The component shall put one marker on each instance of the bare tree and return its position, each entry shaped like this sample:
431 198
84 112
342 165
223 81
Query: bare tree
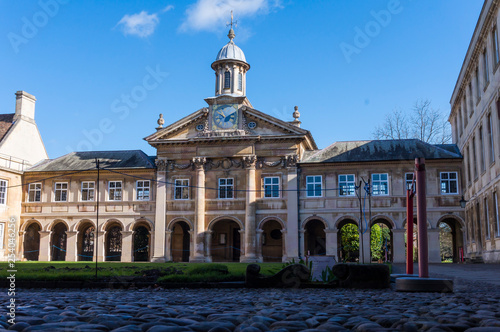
422 122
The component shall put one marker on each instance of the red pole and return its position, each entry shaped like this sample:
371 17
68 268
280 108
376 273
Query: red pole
423 254
409 232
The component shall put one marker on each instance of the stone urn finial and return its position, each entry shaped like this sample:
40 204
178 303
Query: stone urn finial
296 114
160 122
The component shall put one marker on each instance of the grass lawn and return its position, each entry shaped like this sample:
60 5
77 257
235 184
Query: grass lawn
161 272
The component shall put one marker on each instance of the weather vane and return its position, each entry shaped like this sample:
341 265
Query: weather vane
232 23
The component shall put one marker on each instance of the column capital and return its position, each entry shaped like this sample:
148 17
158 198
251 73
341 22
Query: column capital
249 161
290 160
199 162
161 164
126 233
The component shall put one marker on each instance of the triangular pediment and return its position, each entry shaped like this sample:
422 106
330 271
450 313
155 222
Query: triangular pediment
254 125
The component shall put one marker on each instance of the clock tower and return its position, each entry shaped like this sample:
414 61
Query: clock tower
230 68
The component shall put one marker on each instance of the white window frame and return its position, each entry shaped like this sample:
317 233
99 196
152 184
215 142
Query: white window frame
35 188
224 187
312 182
274 187
449 181
347 187
408 182
379 182
181 186
61 187
115 190
141 188
4 184
87 187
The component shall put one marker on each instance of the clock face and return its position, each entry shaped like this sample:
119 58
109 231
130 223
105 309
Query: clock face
225 116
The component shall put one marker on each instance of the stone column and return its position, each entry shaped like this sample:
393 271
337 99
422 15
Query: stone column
127 247
292 222
20 245
366 248
260 258
208 241
191 244
331 242
199 223
398 246
101 240
250 240
71 246
44 255
168 245
161 211
284 257
242 247
434 248
302 243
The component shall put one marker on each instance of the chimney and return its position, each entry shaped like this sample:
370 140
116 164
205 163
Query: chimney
25 106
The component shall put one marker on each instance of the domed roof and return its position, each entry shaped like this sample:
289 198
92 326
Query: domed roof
231 51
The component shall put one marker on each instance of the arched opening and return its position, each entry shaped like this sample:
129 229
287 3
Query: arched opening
227 80
315 238
58 242
180 242
141 243
114 243
226 242
415 238
381 241
272 241
32 242
450 240
85 242
348 237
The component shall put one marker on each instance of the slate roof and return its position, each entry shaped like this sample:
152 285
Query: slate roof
6 121
381 150
77 161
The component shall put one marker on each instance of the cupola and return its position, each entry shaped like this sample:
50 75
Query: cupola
230 68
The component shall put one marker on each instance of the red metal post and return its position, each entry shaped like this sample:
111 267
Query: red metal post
423 254
409 232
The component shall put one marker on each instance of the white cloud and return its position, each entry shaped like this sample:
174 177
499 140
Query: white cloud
142 24
212 14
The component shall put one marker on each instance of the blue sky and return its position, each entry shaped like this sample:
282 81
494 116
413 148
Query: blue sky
102 71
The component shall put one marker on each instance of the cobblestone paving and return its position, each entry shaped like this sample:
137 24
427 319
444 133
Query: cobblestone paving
472 307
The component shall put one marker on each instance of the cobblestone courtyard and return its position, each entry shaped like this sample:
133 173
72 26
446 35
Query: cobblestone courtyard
472 305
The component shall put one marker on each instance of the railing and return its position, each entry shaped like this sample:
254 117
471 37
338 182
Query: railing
13 163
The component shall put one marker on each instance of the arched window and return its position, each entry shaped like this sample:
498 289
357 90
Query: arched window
227 80
216 82
240 81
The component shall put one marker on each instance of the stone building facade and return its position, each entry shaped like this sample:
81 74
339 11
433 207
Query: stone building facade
21 147
475 120
232 183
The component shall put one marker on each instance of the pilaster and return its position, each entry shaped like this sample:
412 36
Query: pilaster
199 223
434 249
292 222
71 246
398 250
101 250
250 239
160 212
45 251
168 245
331 242
127 249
